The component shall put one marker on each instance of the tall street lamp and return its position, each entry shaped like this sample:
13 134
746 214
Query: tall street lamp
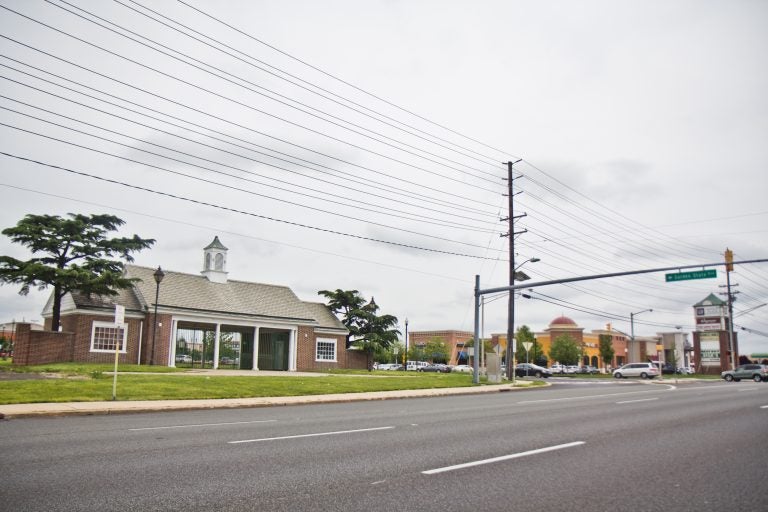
516 276
405 355
159 275
632 327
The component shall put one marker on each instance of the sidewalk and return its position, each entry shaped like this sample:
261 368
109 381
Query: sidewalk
119 407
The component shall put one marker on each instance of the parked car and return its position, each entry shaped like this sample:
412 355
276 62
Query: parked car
462 368
686 370
229 360
756 372
439 368
531 370
588 369
557 368
183 358
572 369
642 370
667 368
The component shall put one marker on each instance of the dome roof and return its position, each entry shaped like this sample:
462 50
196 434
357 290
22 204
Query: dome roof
562 321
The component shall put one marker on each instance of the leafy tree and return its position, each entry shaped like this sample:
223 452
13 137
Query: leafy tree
345 303
75 256
524 335
606 349
374 332
367 329
436 351
565 350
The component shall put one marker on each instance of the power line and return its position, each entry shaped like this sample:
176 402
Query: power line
246 105
234 233
219 70
339 79
388 211
197 178
207 114
225 208
308 89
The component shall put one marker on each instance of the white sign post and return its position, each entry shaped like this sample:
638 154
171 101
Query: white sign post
119 321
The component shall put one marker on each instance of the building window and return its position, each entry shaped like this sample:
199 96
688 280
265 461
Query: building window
325 350
105 337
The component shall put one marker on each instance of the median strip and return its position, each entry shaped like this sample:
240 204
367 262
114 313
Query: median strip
502 458
318 434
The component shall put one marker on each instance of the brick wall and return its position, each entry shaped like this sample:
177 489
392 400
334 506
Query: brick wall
76 330
41 347
305 346
162 337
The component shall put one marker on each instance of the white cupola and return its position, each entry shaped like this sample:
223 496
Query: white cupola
215 262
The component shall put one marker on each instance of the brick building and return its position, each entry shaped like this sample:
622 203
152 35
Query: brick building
202 321
454 341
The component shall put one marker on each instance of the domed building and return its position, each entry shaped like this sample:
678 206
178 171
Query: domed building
565 326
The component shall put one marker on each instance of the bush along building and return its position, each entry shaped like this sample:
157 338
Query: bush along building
200 320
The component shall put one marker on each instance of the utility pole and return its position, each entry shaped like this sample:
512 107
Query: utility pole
510 356
731 299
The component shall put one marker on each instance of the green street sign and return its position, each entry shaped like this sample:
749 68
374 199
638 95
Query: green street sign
696 274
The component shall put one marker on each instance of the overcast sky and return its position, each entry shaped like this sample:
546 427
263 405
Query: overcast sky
360 145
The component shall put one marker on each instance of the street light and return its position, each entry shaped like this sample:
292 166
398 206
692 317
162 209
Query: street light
516 276
405 356
159 275
632 326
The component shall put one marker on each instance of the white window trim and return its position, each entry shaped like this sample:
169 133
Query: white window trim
335 350
124 327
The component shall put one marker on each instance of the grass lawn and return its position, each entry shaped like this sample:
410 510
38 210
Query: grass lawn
78 382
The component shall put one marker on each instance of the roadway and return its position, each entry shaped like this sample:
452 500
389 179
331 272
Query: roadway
600 445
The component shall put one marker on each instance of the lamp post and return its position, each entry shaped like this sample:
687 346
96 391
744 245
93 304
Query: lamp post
159 275
405 354
516 276
632 327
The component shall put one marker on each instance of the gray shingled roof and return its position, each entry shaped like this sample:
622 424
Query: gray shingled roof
188 291
124 297
324 316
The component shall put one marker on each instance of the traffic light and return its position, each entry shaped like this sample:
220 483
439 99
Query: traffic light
728 260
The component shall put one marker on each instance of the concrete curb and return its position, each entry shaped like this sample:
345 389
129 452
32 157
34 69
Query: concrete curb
137 406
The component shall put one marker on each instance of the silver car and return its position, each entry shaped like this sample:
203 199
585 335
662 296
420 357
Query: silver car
642 370
756 372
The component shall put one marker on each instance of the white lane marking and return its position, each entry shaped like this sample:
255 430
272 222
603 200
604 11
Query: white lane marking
670 388
502 458
202 425
747 389
638 400
317 434
764 406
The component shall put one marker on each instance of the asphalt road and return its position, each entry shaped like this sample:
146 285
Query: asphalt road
588 446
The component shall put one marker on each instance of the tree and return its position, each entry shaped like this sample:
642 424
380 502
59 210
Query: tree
345 303
367 329
436 351
565 350
374 332
606 349
524 335
76 256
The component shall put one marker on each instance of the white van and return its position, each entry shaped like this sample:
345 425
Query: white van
415 365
